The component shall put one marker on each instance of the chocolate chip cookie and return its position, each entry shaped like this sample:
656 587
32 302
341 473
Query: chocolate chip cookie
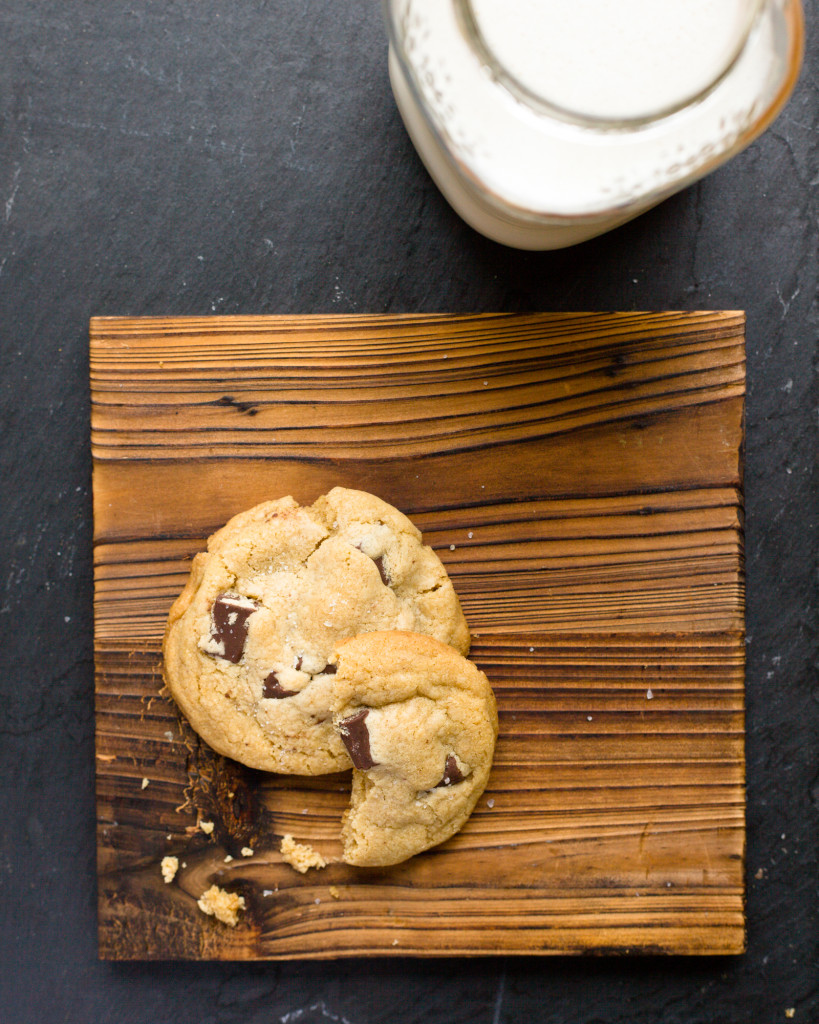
249 643
419 722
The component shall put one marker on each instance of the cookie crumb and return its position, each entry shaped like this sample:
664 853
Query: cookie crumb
247 851
451 547
145 783
490 803
206 826
267 892
169 867
395 942
649 695
470 535
589 718
760 873
222 905
301 856
335 893
790 1012
228 859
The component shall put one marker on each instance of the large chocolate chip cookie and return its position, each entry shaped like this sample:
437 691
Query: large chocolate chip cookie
249 642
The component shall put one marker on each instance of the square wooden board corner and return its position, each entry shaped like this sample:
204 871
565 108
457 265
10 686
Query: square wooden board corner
580 476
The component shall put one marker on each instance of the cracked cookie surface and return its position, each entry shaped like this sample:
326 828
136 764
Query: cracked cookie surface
420 724
249 643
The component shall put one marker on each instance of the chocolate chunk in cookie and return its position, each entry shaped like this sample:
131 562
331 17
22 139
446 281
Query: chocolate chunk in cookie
229 616
378 559
357 739
452 773
274 689
382 572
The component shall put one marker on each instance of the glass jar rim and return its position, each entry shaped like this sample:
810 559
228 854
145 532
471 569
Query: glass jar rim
472 31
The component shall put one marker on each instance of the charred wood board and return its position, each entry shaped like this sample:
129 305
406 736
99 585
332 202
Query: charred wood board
580 477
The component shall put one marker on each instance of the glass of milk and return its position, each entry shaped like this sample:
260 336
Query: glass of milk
547 122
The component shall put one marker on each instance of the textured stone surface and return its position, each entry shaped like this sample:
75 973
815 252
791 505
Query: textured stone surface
194 157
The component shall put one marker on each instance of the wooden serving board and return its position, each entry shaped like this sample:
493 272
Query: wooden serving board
580 476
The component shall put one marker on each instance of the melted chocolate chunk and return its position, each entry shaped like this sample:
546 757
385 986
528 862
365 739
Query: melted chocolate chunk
229 617
328 670
357 740
379 562
299 663
273 688
452 773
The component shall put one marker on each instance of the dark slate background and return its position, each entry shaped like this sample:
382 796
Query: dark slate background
199 157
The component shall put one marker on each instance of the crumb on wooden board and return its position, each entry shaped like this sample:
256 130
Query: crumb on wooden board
224 906
300 856
169 867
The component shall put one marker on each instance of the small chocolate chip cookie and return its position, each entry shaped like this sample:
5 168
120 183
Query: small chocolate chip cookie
249 643
420 723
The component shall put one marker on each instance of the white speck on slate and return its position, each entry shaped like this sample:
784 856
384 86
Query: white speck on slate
13 196
67 618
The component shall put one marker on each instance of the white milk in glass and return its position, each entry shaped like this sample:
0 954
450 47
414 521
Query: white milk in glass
545 122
